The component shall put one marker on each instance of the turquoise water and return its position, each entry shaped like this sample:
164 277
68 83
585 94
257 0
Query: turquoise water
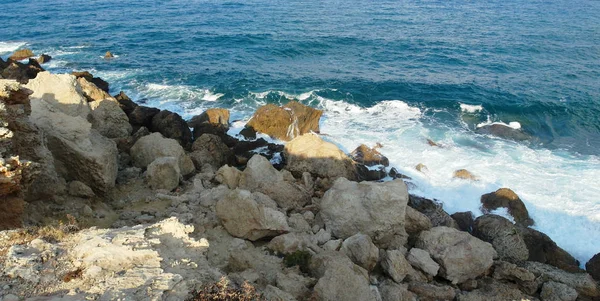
394 72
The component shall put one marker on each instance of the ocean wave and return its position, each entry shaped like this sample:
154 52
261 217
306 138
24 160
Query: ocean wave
513 124
10 47
471 108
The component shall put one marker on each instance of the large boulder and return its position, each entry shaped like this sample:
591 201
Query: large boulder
583 283
506 198
212 121
374 209
460 255
243 217
556 291
210 149
502 234
106 115
370 163
361 250
153 146
286 122
60 91
339 278
163 173
543 249
261 176
171 125
19 71
126 104
142 116
309 153
593 266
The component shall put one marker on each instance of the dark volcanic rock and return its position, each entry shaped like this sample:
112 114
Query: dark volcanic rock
286 122
171 125
464 220
503 131
126 104
506 198
593 267
543 249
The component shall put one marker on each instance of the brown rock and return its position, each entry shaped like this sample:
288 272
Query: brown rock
108 55
421 167
593 267
11 210
19 71
100 83
142 116
506 198
171 125
287 122
369 156
211 121
465 174
44 58
543 249
126 104
21 54
209 149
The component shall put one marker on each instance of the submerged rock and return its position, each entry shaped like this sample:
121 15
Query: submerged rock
465 175
503 131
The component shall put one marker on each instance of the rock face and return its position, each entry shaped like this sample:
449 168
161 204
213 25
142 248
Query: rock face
210 149
211 121
19 71
309 153
171 125
502 234
543 249
374 209
243 217
60 91
164 173
593 267
287 122
261 176
153 146
506 198
361 250
460 255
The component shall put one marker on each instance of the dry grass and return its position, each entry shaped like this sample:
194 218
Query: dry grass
222 291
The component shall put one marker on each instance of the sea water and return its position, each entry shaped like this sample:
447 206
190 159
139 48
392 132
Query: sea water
390 72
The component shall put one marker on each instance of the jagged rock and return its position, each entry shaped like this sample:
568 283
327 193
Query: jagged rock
100 83
556 291
373 173
163 173
142 116
433 211
374 209
506 198
339 278
212 121
465 175
543 249
395 264
593 266
287 122
106 116
126 104
261 176
460 255
153 146
79 189
125 144
420 259
44 58
416 221
209 149
503 236
171 125
582 282
494 291
21 54
464 220
361 250
392 291
229 176
243 217
309 153
503 131
432 292
509 271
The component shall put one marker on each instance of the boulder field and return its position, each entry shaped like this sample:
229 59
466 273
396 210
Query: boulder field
105 199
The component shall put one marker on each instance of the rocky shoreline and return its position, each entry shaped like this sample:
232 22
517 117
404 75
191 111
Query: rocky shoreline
105 199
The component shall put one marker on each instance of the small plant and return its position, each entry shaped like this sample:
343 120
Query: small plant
223 291
299 258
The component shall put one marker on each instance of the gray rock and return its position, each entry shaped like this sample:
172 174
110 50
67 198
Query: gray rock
503 236
420 259
556 291
153 146
361 250
583 283
395 264
163 173
81 190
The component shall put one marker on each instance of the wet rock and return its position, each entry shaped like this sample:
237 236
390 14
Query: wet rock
21 54
465 175
243 217
19 71
286 122
212 121
309 153
164 173
171 125
503 131
543 249
420 259
374 209
421 168
506 198
593 267
108 55
464 220
460 255
503 236
81 190
361 250
153 146
370 163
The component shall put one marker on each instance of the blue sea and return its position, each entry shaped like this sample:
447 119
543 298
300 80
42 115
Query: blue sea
394 72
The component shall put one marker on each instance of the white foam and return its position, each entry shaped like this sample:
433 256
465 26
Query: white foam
471 108
513 124
300 97
10 47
